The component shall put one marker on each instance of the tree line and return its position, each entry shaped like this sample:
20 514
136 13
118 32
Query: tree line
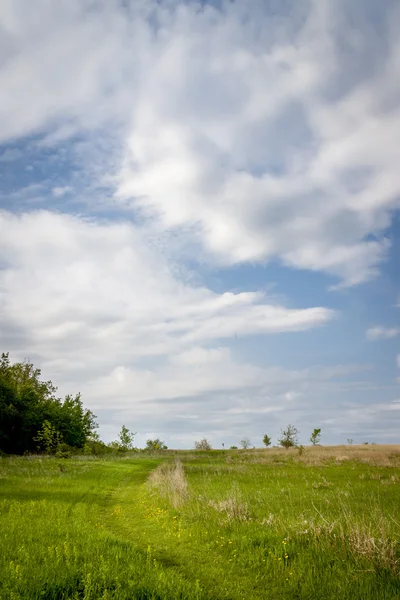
288 439
34 419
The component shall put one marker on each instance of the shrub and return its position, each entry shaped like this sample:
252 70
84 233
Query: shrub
203 445
288 437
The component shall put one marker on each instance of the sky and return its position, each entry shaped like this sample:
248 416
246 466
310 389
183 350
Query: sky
200 213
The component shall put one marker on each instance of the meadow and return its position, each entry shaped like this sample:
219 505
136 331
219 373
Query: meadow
272 524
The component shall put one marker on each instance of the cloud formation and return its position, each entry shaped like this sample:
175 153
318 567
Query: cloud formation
261 144
104 286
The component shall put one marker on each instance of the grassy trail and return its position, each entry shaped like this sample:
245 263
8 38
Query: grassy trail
173 544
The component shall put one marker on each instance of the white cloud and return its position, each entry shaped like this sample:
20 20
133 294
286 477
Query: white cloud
253 153
89 293
101 310
60 191
379 333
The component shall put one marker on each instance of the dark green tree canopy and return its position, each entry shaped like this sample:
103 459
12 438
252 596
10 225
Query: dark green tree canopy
29 409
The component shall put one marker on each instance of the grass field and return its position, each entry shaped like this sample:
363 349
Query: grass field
237 525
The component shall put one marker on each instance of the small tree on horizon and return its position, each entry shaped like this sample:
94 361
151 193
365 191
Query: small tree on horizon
126 438
156 444
288 437
245 443
315 437
267 440
203 445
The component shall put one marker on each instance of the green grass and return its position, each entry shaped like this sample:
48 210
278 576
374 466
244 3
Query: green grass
230 525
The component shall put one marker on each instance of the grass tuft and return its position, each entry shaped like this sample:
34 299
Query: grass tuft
169 480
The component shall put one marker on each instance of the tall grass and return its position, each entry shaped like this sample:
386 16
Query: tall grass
214 525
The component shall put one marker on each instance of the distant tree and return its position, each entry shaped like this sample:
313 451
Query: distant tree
156 444
245 443
233 448
126 439
350 440
203 445
288 437
267 440
315 437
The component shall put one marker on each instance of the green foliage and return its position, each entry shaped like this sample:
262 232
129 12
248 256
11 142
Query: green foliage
156 444
95 446
203 445
288 437
267 440
233 448
315 437
300 449
126 439
31 415
48 438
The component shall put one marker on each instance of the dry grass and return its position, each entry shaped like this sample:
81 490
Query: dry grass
378 547
379 455
233 508
169 480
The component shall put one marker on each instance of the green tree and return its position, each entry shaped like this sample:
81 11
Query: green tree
75 423
26 403
126 439
267 440
288 437
156 444
315 437
48 438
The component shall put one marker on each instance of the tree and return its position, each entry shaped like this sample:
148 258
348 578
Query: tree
350 441
288 437
203 445
245 443
126 439
26 403
267 440
76 424
315 437
48 438
156 444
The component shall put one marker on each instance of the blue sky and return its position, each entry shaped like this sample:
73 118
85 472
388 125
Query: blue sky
199 213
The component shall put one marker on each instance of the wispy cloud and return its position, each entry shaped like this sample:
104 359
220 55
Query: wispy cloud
60 191
103 288
382 333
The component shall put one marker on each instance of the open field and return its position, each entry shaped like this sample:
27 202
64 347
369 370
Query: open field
262 524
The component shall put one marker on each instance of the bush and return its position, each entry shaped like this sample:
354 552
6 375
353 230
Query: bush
288 437
203 445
